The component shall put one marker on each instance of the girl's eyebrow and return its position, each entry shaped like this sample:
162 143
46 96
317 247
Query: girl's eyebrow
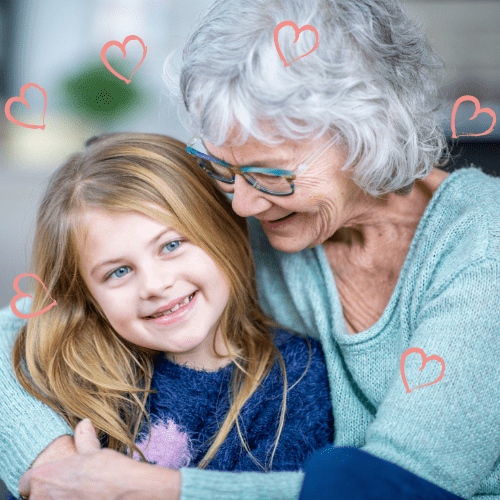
120 259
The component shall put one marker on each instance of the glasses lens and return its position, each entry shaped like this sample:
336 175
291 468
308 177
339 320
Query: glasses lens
270 183
218 171
215 170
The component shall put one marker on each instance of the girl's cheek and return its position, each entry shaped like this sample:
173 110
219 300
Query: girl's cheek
112 301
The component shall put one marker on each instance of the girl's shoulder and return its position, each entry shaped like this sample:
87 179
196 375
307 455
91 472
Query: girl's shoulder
288 340
299 352
309 406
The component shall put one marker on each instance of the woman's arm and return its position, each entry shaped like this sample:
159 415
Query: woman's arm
27 426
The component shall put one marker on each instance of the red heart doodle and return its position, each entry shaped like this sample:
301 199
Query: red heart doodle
21 294
424 362
122 48
476 112
297 33
8 104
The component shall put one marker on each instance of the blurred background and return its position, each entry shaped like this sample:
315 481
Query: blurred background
56 44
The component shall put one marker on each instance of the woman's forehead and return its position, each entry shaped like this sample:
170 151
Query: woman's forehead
252 151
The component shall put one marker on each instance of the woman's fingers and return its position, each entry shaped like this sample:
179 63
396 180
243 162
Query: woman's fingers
85 437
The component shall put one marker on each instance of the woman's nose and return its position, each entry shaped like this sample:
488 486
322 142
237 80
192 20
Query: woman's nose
247 200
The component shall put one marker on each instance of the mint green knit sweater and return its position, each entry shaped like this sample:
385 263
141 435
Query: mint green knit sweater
446 302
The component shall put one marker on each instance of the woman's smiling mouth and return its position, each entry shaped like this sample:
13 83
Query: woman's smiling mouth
278 222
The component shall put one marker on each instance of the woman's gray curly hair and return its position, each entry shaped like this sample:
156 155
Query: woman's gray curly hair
373 80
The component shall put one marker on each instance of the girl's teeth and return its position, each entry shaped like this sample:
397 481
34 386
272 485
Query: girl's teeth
175 308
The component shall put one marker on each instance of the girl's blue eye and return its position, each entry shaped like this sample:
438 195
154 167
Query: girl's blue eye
119 272
172 245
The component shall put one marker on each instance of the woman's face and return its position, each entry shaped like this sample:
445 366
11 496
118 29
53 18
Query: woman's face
136 268
325 197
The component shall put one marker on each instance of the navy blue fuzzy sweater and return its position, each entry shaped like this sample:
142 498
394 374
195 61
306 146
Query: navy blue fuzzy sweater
190 406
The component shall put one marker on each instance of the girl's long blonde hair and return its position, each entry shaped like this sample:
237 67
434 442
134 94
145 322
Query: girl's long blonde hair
70 357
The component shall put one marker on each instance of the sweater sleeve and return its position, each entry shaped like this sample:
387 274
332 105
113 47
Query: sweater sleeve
448 432
200 484
27 426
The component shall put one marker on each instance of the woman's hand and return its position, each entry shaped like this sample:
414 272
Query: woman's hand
98 474
63 446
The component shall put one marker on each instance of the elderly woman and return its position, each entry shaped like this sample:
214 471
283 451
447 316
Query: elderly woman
359 240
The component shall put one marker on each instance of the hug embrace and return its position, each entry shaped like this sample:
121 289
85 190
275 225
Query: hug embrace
232 313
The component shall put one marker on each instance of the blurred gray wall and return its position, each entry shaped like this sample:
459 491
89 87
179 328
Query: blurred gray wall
48 38
50 35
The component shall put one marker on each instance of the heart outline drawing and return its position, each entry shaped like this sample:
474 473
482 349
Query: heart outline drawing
122 48
477 110
22 294
22 100
424 362
297 33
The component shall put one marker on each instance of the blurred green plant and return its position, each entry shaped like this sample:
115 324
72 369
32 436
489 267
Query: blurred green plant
96 94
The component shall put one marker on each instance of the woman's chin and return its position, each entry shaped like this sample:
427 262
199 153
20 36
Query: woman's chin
289 243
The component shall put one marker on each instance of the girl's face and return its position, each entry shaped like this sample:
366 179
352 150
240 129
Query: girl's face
156 288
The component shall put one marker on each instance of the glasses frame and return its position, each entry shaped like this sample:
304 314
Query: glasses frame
245 171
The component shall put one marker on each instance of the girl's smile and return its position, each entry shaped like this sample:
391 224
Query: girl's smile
169 315
156 288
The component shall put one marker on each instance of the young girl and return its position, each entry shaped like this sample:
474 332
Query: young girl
157 336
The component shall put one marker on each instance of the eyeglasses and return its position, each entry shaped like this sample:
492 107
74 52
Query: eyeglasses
267 180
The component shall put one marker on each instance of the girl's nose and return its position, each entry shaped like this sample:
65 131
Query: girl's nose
247 200
154 281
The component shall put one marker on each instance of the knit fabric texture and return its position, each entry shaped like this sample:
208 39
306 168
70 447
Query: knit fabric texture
191 405
446 302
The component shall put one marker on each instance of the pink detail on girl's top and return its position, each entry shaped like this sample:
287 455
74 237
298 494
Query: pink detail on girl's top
168 447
